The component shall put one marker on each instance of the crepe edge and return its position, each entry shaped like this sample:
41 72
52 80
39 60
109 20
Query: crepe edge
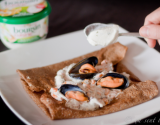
35 96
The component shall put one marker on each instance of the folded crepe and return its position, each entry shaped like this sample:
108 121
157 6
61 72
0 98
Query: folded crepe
38 81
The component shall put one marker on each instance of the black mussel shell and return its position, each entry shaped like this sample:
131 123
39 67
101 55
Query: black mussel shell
117 75
68 87
74 72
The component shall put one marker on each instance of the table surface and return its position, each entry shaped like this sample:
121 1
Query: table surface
70 15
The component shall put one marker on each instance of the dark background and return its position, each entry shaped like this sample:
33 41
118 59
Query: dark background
72 15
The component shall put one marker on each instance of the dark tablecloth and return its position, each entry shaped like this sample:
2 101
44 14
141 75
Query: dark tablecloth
72 15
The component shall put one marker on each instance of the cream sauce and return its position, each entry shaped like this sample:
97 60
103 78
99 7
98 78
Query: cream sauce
92 105
98 96
103 36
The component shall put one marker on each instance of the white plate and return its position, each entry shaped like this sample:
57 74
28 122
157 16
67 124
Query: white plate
140 59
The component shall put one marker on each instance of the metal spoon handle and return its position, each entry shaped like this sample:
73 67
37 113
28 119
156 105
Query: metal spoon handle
130 34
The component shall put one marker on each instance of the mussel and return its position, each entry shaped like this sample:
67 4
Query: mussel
79 71
73 91
114 81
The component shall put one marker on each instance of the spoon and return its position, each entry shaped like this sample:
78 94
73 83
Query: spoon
95 26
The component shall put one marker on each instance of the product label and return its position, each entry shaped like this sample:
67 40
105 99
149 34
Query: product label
21 7
25 33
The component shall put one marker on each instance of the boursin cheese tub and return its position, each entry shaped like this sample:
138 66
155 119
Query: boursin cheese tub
23 21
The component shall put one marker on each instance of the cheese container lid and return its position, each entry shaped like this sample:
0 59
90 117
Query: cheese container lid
26 18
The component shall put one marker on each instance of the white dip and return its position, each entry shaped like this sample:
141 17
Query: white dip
103 36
